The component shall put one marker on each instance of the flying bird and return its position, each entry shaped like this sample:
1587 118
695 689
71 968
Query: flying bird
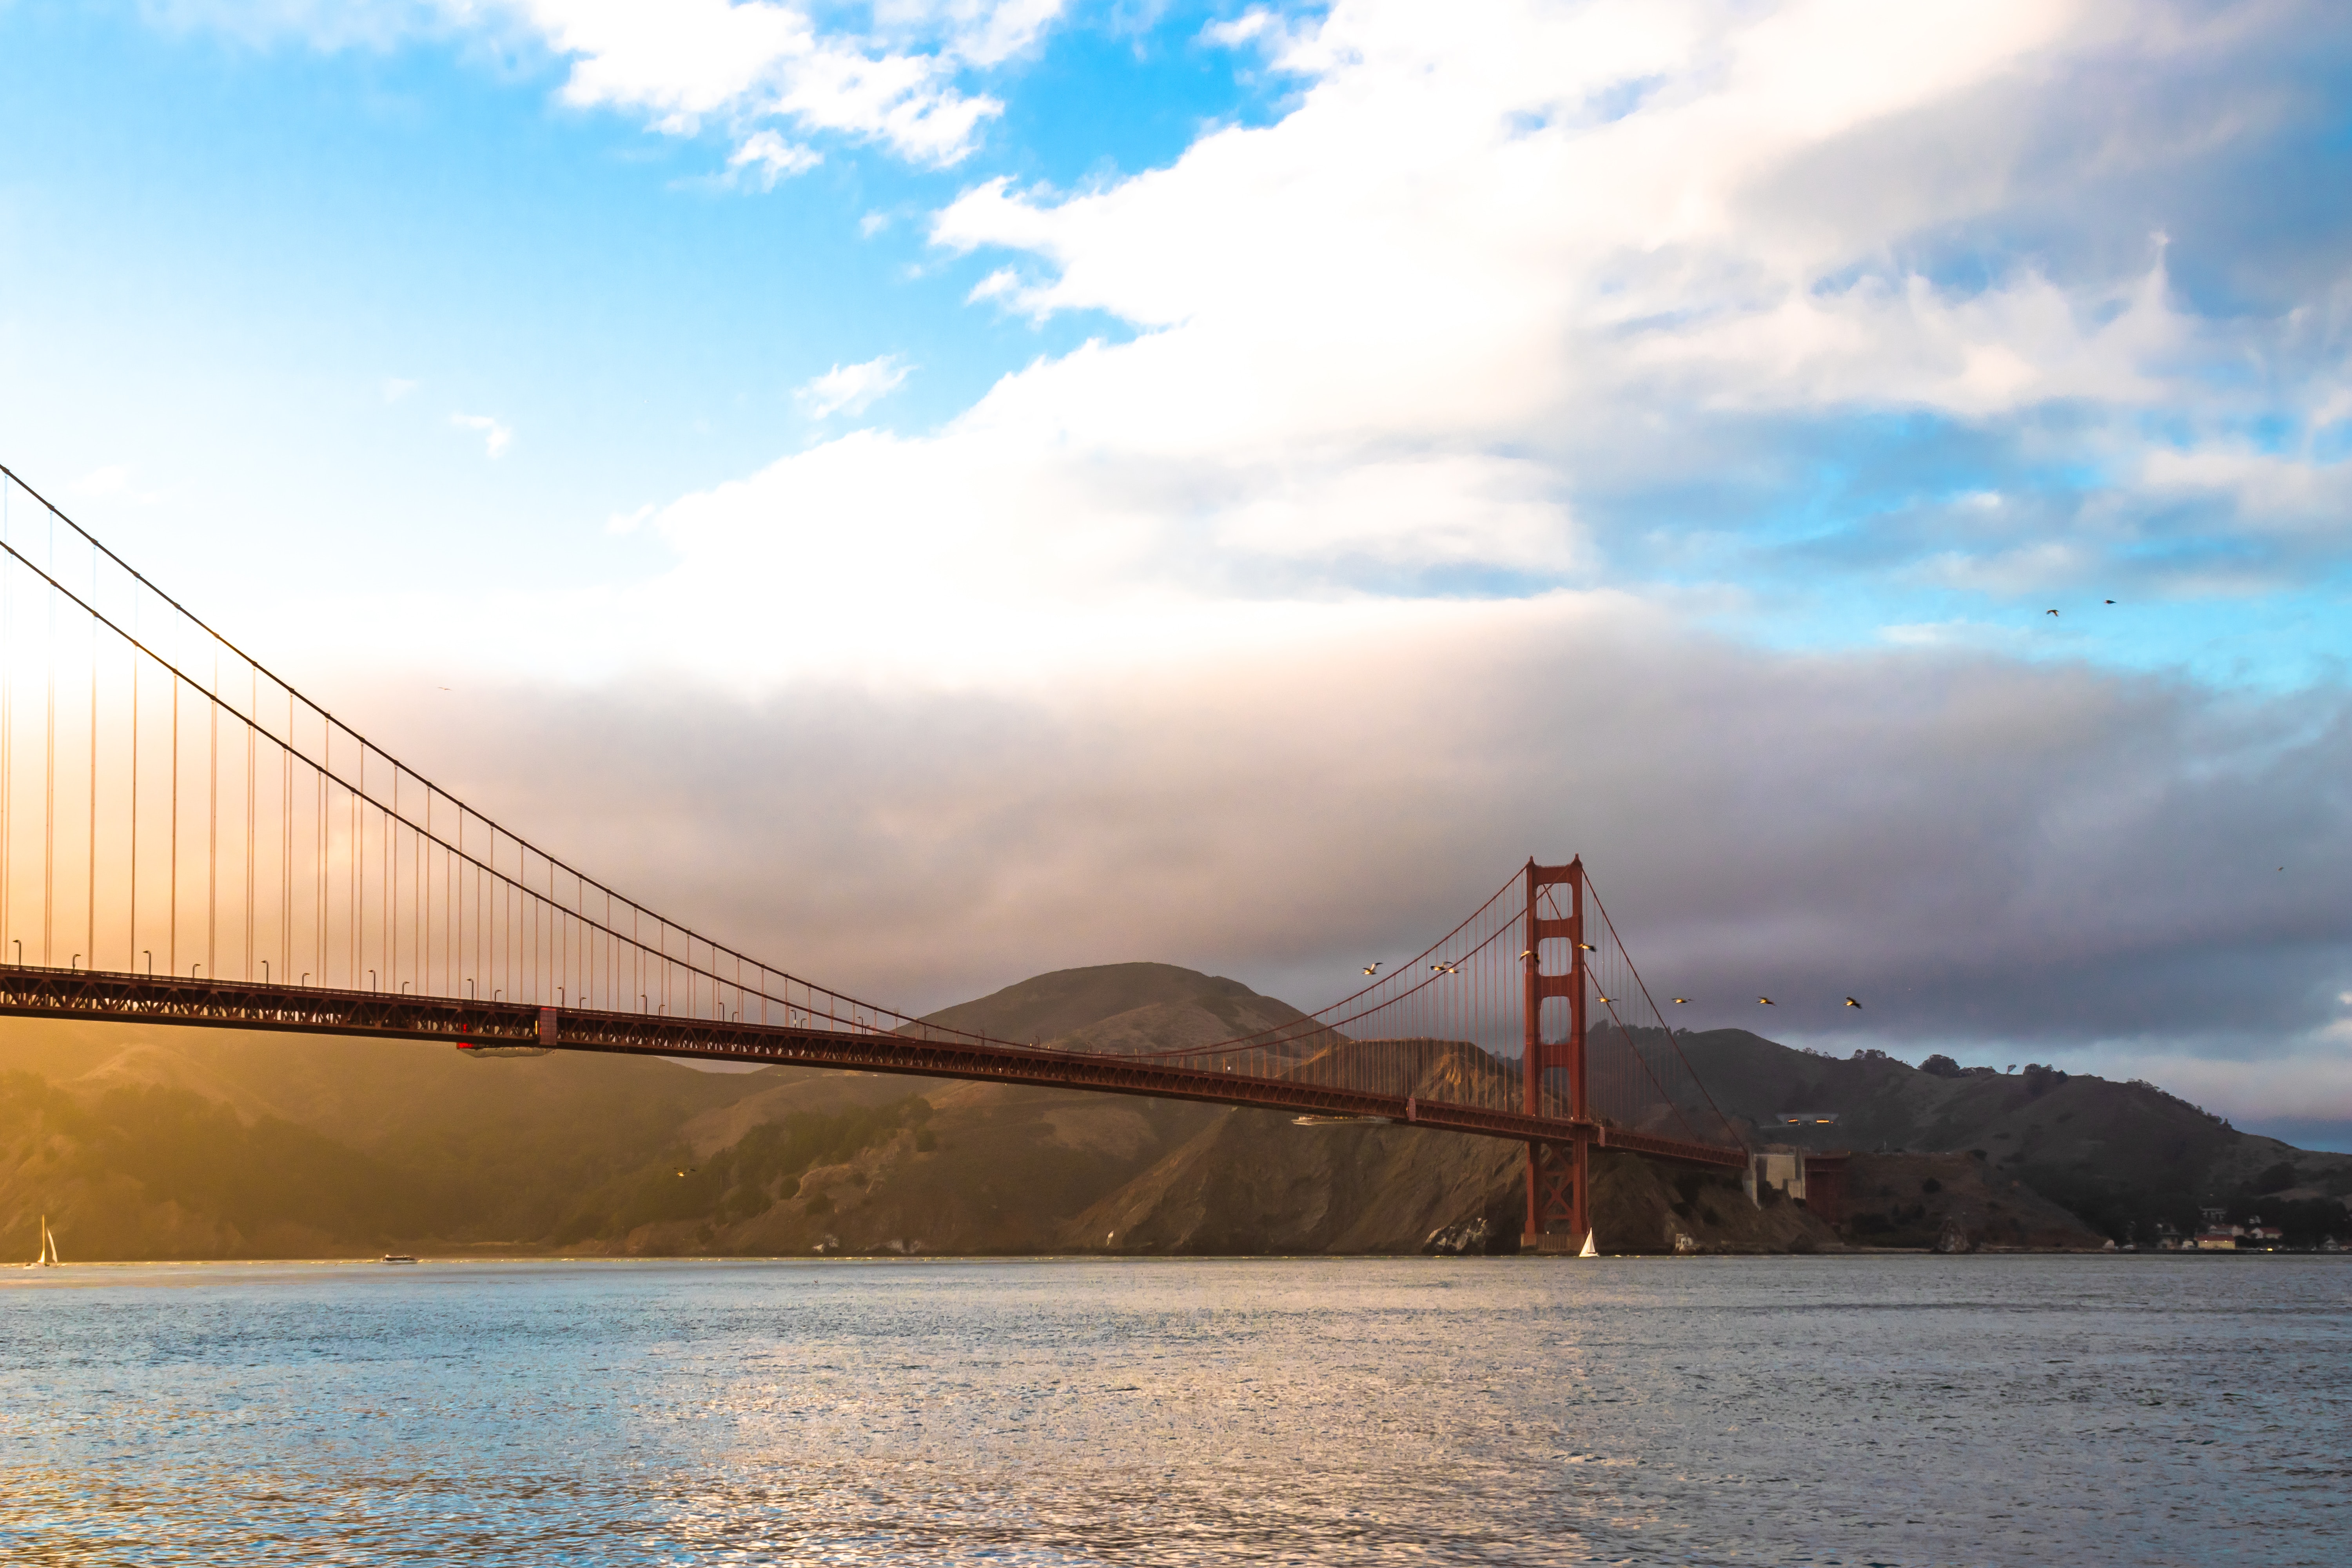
1444 968
2049 612
1529 953
1852 1003
1374 968
1767 1001
1587 947
2110 601
1682 999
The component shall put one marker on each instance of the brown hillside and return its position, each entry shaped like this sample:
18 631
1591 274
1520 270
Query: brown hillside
158 1142
1102 999
2124 1157
1913 1200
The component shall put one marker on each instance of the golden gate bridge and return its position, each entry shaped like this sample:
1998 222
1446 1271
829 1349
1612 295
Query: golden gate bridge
186 839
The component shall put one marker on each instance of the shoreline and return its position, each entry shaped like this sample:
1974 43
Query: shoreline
57 1273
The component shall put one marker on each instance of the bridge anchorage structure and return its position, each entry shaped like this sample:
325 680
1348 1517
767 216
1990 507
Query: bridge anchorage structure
186 839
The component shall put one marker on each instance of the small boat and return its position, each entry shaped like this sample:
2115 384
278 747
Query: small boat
398 1258
1589 1250
48 1255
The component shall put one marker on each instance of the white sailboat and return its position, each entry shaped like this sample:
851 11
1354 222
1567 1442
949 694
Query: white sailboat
1589 1250
49 1254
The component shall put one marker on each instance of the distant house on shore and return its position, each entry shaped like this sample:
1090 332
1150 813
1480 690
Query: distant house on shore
1781 1171
1814 1180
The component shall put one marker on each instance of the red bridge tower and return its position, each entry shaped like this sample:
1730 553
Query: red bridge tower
1559 1207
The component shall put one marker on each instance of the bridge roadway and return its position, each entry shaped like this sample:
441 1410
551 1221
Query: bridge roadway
32 992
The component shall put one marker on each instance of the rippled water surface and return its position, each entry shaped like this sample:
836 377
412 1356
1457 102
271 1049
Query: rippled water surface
1827 1410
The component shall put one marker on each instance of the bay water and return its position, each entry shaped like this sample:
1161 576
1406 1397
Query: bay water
1871 1409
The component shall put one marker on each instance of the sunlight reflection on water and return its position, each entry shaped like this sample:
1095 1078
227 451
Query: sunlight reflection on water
1830 1410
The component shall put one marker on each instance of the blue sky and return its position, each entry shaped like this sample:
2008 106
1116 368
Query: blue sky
238 238
1660 430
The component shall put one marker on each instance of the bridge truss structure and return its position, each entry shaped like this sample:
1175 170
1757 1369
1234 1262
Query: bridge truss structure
187 839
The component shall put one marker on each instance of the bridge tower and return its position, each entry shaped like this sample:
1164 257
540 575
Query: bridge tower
1558 1206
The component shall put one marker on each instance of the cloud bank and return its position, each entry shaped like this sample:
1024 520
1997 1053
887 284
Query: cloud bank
2032 861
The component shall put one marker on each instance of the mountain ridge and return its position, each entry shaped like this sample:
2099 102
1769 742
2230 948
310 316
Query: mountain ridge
159 1142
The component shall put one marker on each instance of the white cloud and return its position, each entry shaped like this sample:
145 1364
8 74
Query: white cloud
984 32
854 388
496 436
1250 26
2273 492
1443 205
1388 345
684 62
396 387
767 157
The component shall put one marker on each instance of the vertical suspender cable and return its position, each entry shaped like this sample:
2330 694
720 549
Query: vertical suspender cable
419 917
90 910
320 868
356 853
319 790
131 955
172 944
286 841
391 916
7 735
252 706
384 891
212 829
49 768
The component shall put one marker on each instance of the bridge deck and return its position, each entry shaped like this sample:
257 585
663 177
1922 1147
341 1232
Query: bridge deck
29 991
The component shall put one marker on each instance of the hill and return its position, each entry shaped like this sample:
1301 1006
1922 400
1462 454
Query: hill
152 1143
2124 1157
156 1142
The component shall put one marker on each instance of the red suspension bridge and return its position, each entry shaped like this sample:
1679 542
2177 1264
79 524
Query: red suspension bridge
187 839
